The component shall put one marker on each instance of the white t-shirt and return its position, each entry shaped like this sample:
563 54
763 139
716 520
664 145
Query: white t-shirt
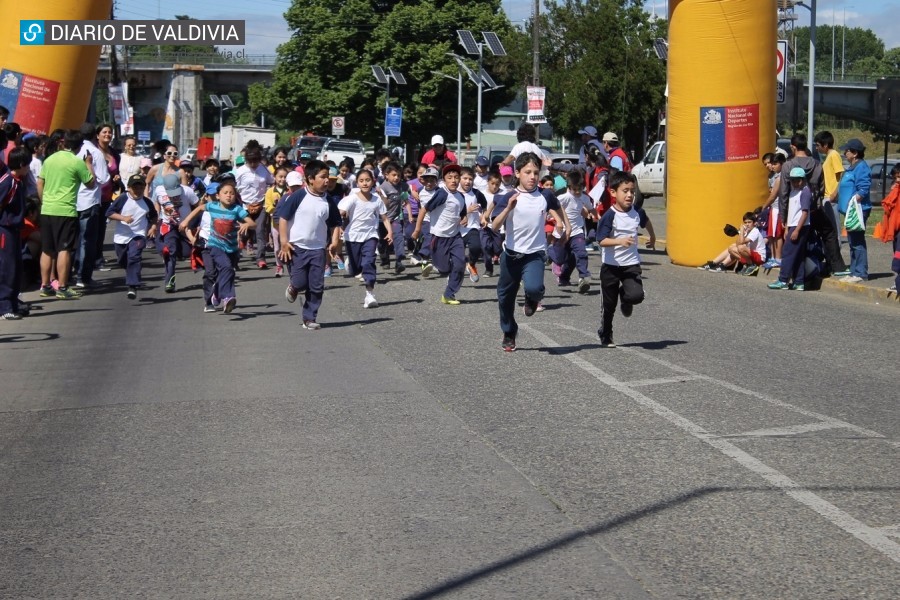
473 217
616 224
308 228
424 197
88 197
188 201
252 183
756 241
138 210
573 206
525 223
445 218
481 182
523 147
798 201
205 224
364 216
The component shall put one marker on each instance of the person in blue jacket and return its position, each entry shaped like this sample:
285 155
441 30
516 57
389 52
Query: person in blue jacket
855 182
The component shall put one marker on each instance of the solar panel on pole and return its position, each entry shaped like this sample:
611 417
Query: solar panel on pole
216 101
488 80
226 100
472 75
379 74
468 41
493 42
398 76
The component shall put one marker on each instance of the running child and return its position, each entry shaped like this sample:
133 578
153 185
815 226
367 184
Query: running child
273 196
363 211
304 219
136 222
470 228
447 208
524 212
491 240
395 193
617 234
573 254
429 179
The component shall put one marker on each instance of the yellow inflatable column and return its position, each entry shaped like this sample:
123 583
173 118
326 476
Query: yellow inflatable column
720 121
47 87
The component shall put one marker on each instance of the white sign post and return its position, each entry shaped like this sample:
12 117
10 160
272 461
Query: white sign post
781 51
337 126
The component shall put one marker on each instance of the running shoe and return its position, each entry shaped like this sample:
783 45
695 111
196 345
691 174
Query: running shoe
132 293
853 279
11 316
556 270
626 308
170 285
799 287
209 308
540 307
279 270
261 265
509 343
709 265
414 261
845 273
370 302
229 305
529 308
778 285
473 273
450 301
751 270
606 341
360 278
427 268
65 293
327 272
893 288
290 293
342 266
311 325
584 286
399 267
717 268
770 264
214 300
47 292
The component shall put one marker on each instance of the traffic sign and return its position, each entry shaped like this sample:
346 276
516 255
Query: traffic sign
393 118
143 136
780 70
337 126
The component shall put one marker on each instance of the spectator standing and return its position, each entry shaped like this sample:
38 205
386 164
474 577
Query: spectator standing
855 183
129 160
12 216
588 139
89 200
438 152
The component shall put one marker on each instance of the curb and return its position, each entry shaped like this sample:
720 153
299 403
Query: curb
873 293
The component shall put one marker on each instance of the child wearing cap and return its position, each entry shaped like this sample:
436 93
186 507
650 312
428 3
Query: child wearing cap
173 204
429 179
481 173
273 195
395 193
507 179
793 253
447 207
135 218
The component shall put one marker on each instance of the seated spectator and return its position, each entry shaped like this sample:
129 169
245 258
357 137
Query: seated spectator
749 250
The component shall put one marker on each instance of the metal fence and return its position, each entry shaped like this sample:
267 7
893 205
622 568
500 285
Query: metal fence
238 60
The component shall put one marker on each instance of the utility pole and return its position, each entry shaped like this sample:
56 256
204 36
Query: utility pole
536 44
810 103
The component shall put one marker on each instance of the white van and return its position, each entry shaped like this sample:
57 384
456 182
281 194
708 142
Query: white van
651 171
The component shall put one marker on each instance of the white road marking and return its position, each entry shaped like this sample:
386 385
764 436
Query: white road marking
785 431
871 536
662 380
891 530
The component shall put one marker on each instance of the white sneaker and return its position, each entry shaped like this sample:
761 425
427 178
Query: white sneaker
414 261
852 279
370 302
360 277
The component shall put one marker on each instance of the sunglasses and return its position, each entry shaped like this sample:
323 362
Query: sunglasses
171 154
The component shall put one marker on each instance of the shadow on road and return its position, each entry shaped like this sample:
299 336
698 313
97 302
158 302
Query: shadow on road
12 338
657 345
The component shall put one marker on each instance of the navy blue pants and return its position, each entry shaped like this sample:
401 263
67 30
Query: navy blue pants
449 258
89 230
129 257
210 276
516 269
308 275
425 246
10 269
399 240
895 263
491 246
570 256
793 257
362 259
472 241
408 228
172 246
224 264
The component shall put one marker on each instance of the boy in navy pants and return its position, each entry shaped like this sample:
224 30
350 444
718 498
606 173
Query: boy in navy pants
136 221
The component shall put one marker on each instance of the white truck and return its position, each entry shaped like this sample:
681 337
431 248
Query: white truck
231 140
338 149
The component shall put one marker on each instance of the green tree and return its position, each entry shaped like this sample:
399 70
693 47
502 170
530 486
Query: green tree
598 66
324 68
853 44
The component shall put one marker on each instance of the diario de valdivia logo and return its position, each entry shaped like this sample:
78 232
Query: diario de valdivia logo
31 33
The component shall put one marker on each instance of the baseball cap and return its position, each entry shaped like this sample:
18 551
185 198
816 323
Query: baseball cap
212 189
185 163
431 172
482 161
136 180
332 172
239 161
306 156
798 173
451 168
609 136
854 144
173 185
293 179
146 163
437 139
506 170
588 130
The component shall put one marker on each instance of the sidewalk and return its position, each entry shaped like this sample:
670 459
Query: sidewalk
880 256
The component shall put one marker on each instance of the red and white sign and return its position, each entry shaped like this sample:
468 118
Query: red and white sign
536 96
337 126
781 51
30 100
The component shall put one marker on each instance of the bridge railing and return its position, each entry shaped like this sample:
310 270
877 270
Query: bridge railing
218 59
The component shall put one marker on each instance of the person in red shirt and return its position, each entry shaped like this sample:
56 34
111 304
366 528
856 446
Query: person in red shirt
438 152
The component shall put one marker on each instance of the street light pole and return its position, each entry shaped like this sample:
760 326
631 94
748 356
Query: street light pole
480 84
810 105
387 105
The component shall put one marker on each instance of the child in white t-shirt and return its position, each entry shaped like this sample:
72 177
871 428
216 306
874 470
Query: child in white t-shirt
749 250
572 254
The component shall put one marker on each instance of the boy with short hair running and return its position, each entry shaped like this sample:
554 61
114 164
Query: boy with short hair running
470 227
136 222
572 254
395 193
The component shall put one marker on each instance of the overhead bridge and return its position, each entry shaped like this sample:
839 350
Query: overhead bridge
864 101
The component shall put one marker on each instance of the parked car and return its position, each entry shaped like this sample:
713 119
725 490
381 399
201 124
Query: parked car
566 159
497 154
877 192
651 171
308 143
339 149
190 155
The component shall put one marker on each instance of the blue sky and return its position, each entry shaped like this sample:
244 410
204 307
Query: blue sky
266 28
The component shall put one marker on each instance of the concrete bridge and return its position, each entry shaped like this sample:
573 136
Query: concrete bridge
864 101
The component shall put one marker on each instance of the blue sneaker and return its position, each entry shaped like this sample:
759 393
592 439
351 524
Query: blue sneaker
341 265
778 285
327 271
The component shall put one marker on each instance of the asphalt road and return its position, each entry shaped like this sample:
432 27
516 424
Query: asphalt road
739 443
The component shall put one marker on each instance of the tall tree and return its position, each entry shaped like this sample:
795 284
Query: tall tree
599 67
325 68
852 44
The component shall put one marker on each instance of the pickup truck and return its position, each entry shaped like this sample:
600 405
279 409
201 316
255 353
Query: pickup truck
339 149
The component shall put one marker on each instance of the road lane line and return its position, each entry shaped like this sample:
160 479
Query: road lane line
785 431
662 380
871 536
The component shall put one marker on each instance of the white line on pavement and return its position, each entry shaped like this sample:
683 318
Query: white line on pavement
784 431
871 536
662 380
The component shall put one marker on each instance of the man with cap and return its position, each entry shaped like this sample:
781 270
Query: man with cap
438 152
446 208
618 158
856 183
588 138
186 170
135 219
88 206
174 202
